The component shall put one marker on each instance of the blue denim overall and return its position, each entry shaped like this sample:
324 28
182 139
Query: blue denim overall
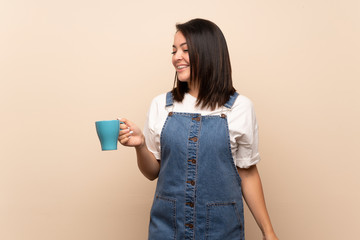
198 194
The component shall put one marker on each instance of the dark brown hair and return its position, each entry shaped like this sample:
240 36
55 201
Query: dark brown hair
210 67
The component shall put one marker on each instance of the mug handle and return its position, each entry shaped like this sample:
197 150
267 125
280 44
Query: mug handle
120 122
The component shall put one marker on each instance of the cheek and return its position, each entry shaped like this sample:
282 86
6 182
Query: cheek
187 58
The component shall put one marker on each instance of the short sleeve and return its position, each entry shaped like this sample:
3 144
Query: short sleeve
245 134
153 125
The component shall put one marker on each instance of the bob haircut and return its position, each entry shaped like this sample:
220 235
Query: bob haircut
210 67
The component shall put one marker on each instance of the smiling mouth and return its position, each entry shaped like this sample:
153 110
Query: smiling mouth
182 67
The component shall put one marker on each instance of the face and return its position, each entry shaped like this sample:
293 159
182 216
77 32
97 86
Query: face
180 58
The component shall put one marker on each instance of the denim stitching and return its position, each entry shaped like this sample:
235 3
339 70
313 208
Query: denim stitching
186 173
207 222
196 173
173 203
211 205
162 130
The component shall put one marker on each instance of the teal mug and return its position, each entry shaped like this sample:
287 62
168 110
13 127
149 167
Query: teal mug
108 133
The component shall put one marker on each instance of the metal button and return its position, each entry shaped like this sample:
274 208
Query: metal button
189 225
193 139
192 160
191 182
190 204
170 114
196 119
223 115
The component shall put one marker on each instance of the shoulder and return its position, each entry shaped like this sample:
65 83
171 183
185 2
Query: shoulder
243 104
157 107
158 102
157 113
241 117
161 98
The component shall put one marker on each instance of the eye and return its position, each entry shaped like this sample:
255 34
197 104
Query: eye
173 52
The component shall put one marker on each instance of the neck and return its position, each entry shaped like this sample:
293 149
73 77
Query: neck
193 91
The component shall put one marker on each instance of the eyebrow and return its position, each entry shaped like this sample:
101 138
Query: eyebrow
180 45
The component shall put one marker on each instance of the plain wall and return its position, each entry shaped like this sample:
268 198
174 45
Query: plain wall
66 64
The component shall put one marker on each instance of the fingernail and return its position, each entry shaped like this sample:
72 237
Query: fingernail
131 132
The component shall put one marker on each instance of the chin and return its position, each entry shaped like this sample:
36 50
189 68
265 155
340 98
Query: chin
183 80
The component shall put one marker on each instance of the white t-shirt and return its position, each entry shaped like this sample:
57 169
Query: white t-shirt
243 128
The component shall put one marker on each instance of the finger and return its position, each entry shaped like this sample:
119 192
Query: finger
126 135
124 131
124 141
122 123
126 122
123 126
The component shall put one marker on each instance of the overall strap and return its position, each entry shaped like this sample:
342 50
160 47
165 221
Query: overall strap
231 101
169 99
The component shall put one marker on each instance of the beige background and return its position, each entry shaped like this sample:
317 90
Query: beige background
66 64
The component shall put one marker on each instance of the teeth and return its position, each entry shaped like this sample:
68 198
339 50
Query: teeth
181 67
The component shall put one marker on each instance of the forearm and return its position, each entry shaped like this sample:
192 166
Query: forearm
131 136
147 162
254 197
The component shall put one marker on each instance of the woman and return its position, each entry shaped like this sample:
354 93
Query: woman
200 141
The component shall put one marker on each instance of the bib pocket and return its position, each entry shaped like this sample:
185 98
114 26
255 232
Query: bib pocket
223 221
163 219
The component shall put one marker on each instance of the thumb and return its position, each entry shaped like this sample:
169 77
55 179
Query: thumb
125 121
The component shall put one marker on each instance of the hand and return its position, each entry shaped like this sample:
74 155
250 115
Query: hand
130 135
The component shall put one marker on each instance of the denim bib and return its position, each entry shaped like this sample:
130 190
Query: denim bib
198 193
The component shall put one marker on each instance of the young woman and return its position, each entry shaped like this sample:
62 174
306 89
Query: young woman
201 142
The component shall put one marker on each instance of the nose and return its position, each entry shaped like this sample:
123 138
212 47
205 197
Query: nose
178 55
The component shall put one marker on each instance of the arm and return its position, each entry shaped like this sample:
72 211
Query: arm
131 136
254 197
